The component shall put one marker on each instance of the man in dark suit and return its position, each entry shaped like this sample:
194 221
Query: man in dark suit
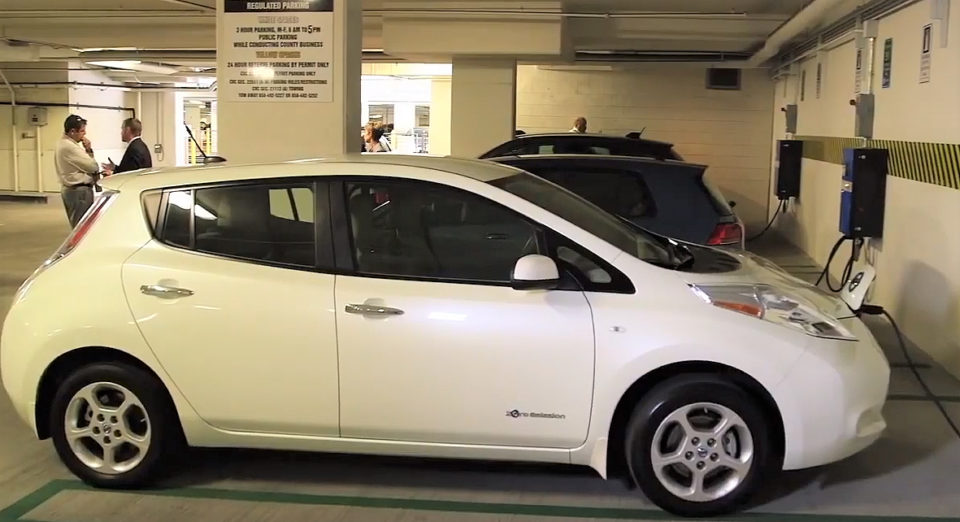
137 155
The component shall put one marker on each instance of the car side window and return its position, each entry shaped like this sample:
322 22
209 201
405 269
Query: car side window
622 193
270 222
406 228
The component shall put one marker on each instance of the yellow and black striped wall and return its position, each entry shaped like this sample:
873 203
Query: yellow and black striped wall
935 163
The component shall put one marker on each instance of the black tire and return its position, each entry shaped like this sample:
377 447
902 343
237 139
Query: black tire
666 398
166 437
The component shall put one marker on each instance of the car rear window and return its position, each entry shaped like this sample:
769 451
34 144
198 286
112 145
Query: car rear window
619 192
720 203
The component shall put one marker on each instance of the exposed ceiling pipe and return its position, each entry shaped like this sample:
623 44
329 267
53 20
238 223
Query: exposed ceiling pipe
107 86
802 21
561 14
15 150
192 4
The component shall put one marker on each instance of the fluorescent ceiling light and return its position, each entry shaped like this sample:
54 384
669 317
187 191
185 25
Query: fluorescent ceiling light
135 65
101 49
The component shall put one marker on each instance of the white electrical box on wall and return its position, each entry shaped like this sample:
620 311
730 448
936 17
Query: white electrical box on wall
37 116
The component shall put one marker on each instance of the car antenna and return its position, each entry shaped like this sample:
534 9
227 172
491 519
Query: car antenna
206 159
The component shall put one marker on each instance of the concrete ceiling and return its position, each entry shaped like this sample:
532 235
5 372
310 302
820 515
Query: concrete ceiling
183 31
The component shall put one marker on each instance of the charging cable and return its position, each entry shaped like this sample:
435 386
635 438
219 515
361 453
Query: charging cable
878 310
774 218
847 268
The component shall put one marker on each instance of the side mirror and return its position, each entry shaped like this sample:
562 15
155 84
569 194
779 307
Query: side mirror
535 272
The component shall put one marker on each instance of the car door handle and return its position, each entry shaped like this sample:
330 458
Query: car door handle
165 292
371 310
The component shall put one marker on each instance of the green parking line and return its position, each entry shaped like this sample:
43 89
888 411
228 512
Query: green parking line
38 497
919 366
941 398
14 511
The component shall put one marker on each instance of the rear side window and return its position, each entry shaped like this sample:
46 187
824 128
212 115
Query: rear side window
176 228
270 223
619 192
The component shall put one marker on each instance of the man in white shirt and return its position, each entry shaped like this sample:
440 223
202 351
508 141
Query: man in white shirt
579 125
76 168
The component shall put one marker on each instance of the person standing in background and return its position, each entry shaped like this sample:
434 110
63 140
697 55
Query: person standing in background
372 139
137 155
76 168
579 125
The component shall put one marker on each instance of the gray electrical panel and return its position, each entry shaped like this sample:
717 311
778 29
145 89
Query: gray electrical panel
791 114
37 116
863 125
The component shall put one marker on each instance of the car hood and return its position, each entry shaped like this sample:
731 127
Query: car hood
757 270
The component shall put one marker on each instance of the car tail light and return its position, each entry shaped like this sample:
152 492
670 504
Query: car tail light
80 231
726 234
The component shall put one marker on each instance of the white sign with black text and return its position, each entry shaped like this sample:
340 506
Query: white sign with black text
925 53
277 51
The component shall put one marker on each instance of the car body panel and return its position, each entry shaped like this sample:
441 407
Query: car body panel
452 370
242 315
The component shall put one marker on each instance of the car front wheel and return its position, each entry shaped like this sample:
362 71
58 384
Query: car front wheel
698 445
113 425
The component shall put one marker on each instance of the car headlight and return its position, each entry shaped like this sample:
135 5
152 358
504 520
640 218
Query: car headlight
770 304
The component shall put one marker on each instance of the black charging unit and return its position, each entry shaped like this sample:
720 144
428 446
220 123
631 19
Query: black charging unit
789 161
863 193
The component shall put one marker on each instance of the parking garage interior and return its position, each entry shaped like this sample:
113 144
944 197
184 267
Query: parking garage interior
727 83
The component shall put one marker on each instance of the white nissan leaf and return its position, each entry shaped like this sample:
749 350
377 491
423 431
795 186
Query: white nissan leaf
428 307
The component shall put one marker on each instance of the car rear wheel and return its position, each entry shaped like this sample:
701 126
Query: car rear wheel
113 425
698 445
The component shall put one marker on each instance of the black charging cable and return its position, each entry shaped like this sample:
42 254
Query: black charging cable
878 310
774 218
847 268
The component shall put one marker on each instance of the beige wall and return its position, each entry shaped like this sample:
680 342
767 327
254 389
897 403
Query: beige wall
727 130
918 259
26 134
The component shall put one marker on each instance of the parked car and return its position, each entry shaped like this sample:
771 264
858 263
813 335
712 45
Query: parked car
430 307
667 197
574 143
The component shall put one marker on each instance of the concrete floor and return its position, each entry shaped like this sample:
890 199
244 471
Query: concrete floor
910 474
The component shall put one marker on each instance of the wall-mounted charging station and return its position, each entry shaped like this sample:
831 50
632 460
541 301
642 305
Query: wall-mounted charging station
789 162
864 192
862 197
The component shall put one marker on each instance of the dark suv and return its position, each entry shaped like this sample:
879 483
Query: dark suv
666 197
573 143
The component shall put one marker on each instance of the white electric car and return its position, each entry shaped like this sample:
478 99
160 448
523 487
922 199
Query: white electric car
429 307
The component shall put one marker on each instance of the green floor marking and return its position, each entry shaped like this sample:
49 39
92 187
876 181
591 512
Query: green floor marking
941 398
41 495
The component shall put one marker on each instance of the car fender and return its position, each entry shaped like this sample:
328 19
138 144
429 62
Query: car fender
757 349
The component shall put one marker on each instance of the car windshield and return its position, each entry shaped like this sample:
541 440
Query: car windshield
578 211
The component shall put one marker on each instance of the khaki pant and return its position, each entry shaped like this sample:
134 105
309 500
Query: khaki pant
76 200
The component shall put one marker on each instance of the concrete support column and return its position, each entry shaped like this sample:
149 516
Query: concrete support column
483 104
269 129
440 117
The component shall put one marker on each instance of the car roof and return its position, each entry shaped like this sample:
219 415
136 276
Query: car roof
600 159
575 135
480 170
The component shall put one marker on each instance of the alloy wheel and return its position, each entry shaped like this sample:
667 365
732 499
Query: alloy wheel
701 452
107 428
